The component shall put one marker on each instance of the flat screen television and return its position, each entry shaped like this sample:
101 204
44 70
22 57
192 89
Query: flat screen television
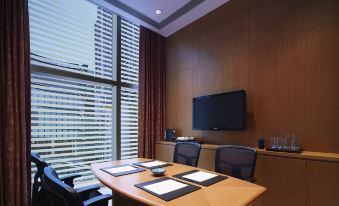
225 111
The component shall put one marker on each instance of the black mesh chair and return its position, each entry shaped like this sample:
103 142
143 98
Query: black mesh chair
187 153
39 197
38 193
236 161
61 194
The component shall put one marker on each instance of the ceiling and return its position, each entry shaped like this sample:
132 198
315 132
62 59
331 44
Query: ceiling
175 15
148 7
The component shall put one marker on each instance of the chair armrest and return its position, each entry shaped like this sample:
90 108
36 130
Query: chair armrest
252 180
85 192
99 200
68 179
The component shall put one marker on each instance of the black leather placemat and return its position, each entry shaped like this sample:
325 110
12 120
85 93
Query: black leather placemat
205 183
140 164
170 195
137 169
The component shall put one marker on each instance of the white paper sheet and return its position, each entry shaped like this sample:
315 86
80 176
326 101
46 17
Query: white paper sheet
116 170
166 186
153 163
200 176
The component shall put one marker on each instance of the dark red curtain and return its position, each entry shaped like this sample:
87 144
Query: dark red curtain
14 104
151 91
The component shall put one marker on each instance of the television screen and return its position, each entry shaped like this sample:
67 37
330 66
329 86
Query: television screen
226 111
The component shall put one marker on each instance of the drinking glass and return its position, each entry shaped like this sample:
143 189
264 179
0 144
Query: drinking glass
279 142
276 142
294 142
271 142
287 145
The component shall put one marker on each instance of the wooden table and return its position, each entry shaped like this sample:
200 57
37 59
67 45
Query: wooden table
230 192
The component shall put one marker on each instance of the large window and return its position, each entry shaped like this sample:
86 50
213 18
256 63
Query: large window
82 111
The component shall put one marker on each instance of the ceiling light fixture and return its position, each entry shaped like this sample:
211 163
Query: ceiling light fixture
158 11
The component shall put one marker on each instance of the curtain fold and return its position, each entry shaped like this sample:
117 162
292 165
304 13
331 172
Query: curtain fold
151 91
14 104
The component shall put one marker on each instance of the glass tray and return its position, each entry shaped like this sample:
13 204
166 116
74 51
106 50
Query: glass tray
284 150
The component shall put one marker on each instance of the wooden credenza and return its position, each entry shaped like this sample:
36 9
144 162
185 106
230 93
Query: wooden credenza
306 179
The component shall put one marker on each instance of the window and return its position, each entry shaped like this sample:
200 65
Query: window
129 38
71 123
129 123
75 86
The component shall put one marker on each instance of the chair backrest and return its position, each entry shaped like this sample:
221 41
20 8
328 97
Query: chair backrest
39 162
187 153
236 161
59 192
38 193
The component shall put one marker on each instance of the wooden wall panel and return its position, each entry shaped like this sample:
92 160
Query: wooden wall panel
180 48
322 183
284 53
258 175
179 101
285 181
206 159
322 64
207 46
164 152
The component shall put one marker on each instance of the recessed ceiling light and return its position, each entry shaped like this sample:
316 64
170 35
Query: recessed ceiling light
158 11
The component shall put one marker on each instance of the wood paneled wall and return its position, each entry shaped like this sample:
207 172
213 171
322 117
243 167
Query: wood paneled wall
284 53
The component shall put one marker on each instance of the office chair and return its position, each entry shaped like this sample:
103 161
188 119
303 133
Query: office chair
38 193
236 161
187 153
39 196
61 194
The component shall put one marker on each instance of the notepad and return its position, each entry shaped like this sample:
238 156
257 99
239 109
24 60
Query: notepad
166 186
121 169
199 176
153 164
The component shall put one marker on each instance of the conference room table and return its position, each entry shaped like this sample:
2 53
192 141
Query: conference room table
230 192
